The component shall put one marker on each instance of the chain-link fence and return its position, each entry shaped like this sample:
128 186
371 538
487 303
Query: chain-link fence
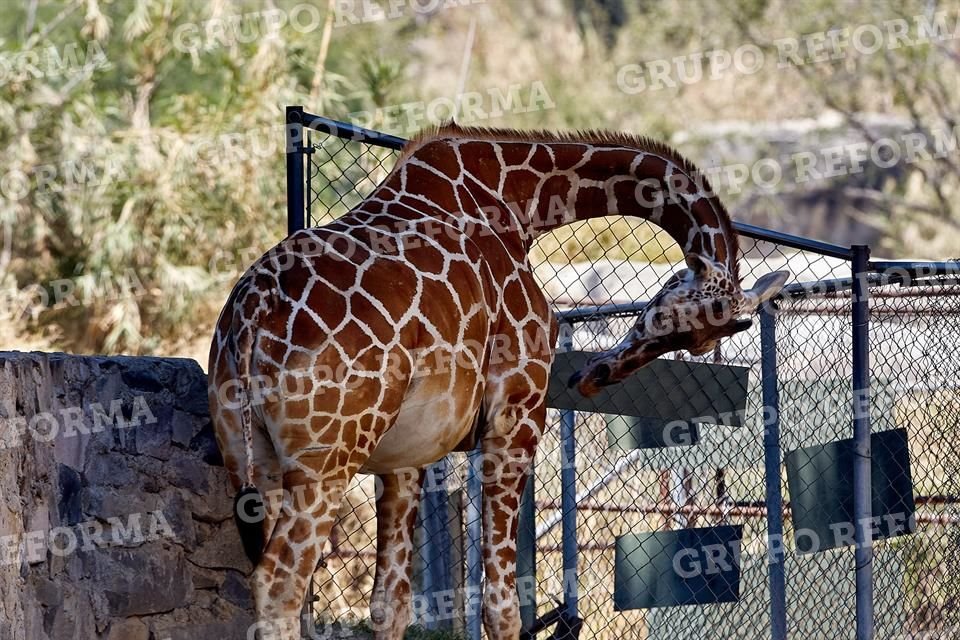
706 497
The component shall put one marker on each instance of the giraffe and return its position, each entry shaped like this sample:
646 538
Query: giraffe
413 326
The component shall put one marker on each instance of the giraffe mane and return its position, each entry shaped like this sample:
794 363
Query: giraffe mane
599 137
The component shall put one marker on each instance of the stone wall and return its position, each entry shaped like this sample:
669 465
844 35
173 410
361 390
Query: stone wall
115 514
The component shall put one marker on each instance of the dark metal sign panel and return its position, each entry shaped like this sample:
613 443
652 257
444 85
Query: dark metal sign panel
665 389
628 432
821 491
673 568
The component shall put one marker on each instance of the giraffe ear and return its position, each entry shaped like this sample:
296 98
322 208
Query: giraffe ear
767 286
678 277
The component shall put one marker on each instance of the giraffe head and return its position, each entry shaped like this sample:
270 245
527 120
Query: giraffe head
694 309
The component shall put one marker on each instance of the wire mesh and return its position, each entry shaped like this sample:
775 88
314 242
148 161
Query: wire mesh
915 339
718 481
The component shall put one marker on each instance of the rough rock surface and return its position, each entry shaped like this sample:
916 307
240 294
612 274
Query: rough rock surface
115 514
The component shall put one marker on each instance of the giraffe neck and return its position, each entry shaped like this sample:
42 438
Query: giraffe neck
534 187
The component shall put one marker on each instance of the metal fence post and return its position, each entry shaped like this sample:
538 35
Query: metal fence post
474 595
771 459
527 553
862 491
568 495
436 545
295 182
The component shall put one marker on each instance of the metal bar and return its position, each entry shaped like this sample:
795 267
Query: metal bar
934 519
295 179
788 240
307 626
740 509
793 291
582 314
437 543
816 287
617 470
527 553
474 554
568 493
879 313
862 507
916 269
352 132
771 466
308 151
680 496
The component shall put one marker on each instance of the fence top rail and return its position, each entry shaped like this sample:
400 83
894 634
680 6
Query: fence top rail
792 241
627 309
916 269
345 130
348 131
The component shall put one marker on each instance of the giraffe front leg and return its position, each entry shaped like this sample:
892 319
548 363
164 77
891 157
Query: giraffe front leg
506 462
397 504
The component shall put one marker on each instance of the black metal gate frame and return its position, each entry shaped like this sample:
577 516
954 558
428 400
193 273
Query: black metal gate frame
864 273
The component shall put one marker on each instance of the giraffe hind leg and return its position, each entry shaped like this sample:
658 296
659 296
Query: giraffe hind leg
311 500
322 440
397 505
508 447
315 479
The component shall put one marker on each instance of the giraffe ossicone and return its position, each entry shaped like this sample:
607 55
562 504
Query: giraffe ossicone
352 325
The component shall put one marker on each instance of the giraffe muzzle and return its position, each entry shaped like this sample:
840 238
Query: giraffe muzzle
575 379
599 376
592 378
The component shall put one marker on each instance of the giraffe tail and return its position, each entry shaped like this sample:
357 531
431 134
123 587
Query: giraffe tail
248 507
248 514
245 344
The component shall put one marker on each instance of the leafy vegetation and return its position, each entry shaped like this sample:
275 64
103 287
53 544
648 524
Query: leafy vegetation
142 164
